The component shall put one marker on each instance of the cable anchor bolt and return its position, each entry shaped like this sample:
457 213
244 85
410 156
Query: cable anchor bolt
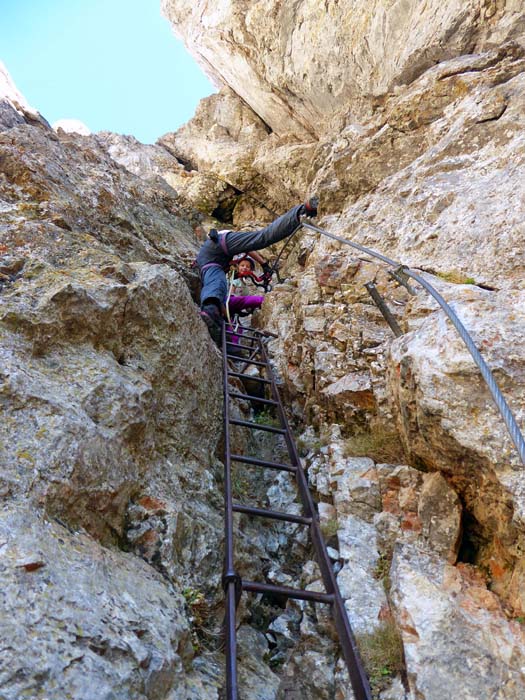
399 274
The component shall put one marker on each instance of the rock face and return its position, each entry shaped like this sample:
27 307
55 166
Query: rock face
107 615
280 59
104 367
477 455
430 185
220 143
433 178
412 134
197 191
111 403
72 126
464 626
398 532
14 108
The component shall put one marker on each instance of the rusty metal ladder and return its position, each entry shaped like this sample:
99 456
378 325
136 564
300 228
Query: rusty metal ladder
233 584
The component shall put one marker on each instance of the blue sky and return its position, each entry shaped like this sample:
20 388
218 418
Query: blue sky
113 64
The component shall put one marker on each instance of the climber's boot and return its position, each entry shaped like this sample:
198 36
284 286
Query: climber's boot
211 316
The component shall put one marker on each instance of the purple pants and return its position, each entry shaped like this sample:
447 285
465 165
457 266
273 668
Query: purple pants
237 305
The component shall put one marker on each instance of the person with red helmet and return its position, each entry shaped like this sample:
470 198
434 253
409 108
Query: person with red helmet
219 249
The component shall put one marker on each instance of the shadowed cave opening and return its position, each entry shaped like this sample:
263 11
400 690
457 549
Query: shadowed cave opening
472 540
223 212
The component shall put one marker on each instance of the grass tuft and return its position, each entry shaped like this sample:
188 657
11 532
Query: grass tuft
240 483
384 446
456 277
329 528
266 417
382 571
382 655
199 610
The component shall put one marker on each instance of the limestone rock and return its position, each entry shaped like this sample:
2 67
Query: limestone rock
447 614
89 622
412 133
218 146
227 145
378 508
406 183
256 680
232 125
307 676
476 455
150 162
280 58
439 195
86 193
14 109
321 337
439 510
71 126
120 402
105 364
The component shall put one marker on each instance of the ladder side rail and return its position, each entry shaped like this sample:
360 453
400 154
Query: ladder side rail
358 678
230 578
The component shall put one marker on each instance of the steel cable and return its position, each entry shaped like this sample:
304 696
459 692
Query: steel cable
499 399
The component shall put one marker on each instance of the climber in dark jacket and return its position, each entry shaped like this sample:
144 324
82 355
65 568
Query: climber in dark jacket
216 253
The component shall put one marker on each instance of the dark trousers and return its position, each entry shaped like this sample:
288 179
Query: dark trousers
214 285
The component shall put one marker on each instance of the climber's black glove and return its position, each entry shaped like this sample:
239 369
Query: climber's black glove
309 208
267 269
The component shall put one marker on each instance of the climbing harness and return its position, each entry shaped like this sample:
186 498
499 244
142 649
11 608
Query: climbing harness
254 344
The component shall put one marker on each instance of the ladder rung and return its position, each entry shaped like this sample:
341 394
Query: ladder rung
246 360
257 426
248 376
253 398
268 334
240 345
263 463
249 336
296 593
243 330
272 514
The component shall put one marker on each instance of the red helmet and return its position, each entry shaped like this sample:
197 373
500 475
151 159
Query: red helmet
241 258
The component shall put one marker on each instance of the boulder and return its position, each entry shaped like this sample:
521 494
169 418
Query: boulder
83 621
447 615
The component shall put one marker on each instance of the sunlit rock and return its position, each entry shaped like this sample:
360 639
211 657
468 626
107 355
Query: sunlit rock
71 126
447 614
280 59
408 121
14 108
448 419
89 621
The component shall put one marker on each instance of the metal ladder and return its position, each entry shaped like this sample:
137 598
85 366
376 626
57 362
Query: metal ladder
232 582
